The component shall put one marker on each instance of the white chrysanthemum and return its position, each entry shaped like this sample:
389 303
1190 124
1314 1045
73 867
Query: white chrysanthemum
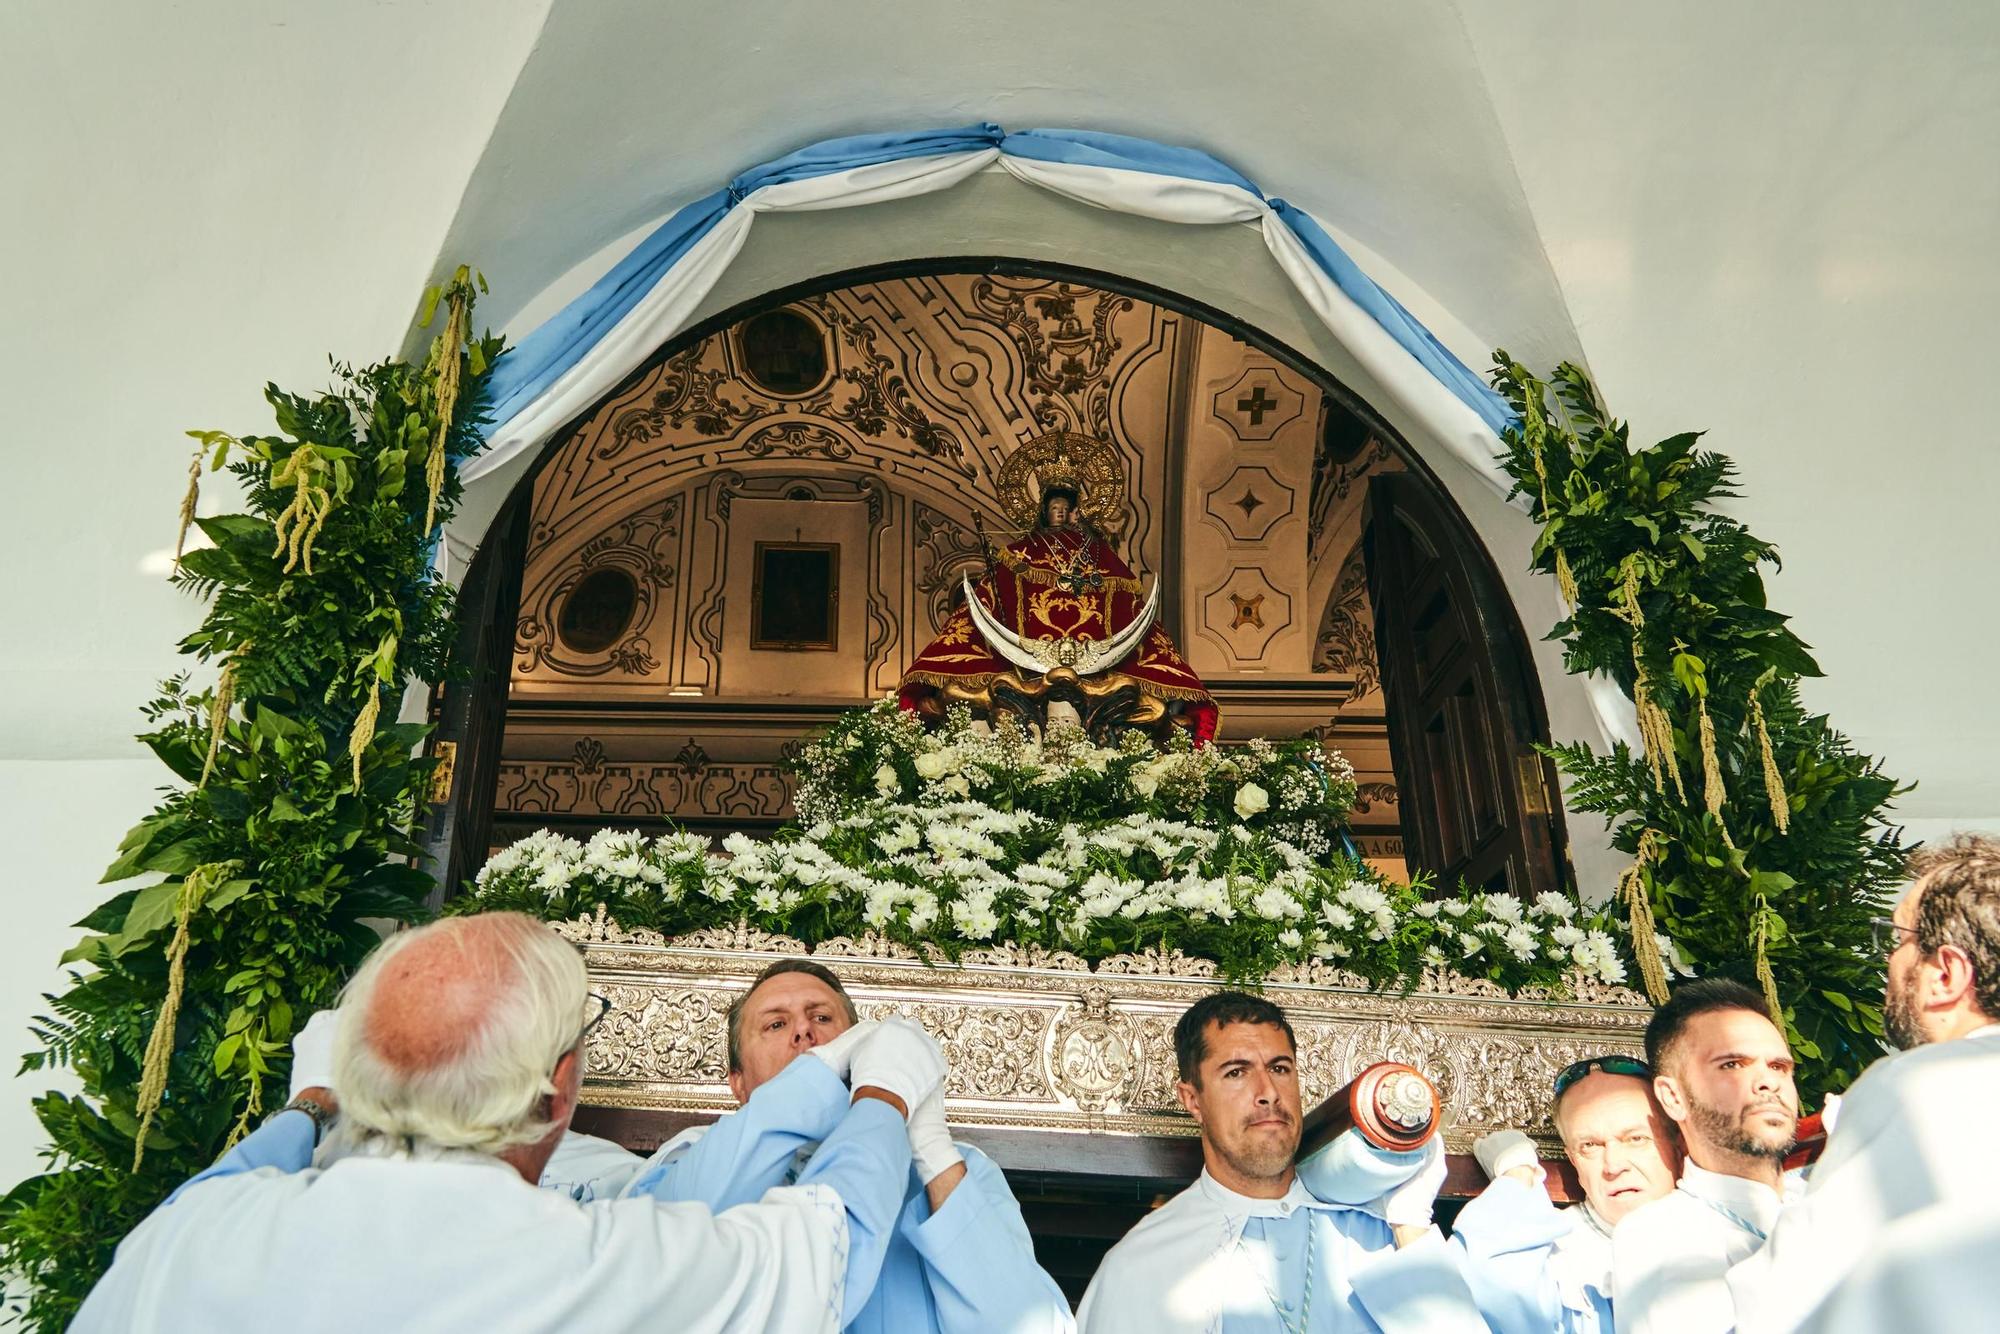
1457 909
1290 938
1336 916
1567 936
1363 897
1502 907
1274 904
1428 910
1551 904
1521 940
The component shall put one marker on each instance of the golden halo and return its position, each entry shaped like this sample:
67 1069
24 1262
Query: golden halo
1099 470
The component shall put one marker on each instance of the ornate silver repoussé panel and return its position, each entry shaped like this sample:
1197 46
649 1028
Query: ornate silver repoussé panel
1037 1039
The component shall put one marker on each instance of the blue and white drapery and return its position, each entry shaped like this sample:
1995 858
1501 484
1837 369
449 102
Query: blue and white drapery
590 345
577 356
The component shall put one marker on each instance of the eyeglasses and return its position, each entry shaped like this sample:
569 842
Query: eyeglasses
590 1025
1887 934
1610 1065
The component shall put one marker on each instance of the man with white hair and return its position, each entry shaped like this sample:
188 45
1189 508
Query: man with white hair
1900 1223
457 1058
960 1261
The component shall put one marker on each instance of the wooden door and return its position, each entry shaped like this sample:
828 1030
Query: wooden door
470 715
1464 706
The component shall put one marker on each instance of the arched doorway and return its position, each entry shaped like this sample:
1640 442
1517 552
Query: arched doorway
624 669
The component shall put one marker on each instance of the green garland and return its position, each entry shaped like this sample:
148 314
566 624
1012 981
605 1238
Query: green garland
293 816
1759 836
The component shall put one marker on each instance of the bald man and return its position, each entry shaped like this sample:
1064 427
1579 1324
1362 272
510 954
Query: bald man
457 1059
1533 1267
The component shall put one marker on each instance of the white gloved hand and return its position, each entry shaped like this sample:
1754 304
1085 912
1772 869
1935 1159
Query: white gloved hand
1505 1150
900 1058
839 1053
930 1139
1411 1204
312 1053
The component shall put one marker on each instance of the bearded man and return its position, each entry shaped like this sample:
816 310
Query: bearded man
1247 1248
1899 1227
1723 1075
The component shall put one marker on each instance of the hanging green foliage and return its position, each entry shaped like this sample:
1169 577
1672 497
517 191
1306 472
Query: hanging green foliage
1759 836
294 814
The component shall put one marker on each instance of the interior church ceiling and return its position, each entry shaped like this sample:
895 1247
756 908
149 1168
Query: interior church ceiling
886 422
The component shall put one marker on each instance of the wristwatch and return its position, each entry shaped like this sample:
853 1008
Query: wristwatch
321 1114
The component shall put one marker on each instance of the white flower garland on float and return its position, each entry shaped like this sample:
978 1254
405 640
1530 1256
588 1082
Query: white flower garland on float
971 836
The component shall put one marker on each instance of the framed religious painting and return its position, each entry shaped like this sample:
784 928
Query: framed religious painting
795 597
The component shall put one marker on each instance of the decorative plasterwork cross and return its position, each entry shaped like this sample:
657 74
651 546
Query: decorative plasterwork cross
1249 611
1257 405
1248 502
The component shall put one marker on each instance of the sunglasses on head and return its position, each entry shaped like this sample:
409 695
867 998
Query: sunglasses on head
1610 1065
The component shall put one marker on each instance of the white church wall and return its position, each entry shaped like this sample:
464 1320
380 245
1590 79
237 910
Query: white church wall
202 197
60 821
1782 233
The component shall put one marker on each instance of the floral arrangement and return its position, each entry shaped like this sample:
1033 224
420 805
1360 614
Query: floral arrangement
970 836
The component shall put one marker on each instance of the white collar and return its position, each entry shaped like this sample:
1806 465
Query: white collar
1238 1207
1991 1030
1748 1204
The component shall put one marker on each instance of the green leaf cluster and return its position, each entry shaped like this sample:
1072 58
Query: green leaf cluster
270 796
1615 517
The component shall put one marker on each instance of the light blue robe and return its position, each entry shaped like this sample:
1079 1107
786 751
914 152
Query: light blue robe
968 1269
1211 1261
1534 1268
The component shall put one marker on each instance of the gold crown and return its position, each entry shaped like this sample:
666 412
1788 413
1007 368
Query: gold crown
1059 474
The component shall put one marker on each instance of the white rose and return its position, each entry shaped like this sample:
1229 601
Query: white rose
886 782
957 786
1145 783
1251 799
933 765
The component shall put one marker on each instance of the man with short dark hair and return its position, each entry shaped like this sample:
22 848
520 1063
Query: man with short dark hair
959 1260
1247 1248
1723 1075
1534 1268
1904 1197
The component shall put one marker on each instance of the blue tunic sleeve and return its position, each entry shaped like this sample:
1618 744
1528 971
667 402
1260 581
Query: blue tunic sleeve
980 1260
1503 1241
866 1159
754 1147
285 1142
